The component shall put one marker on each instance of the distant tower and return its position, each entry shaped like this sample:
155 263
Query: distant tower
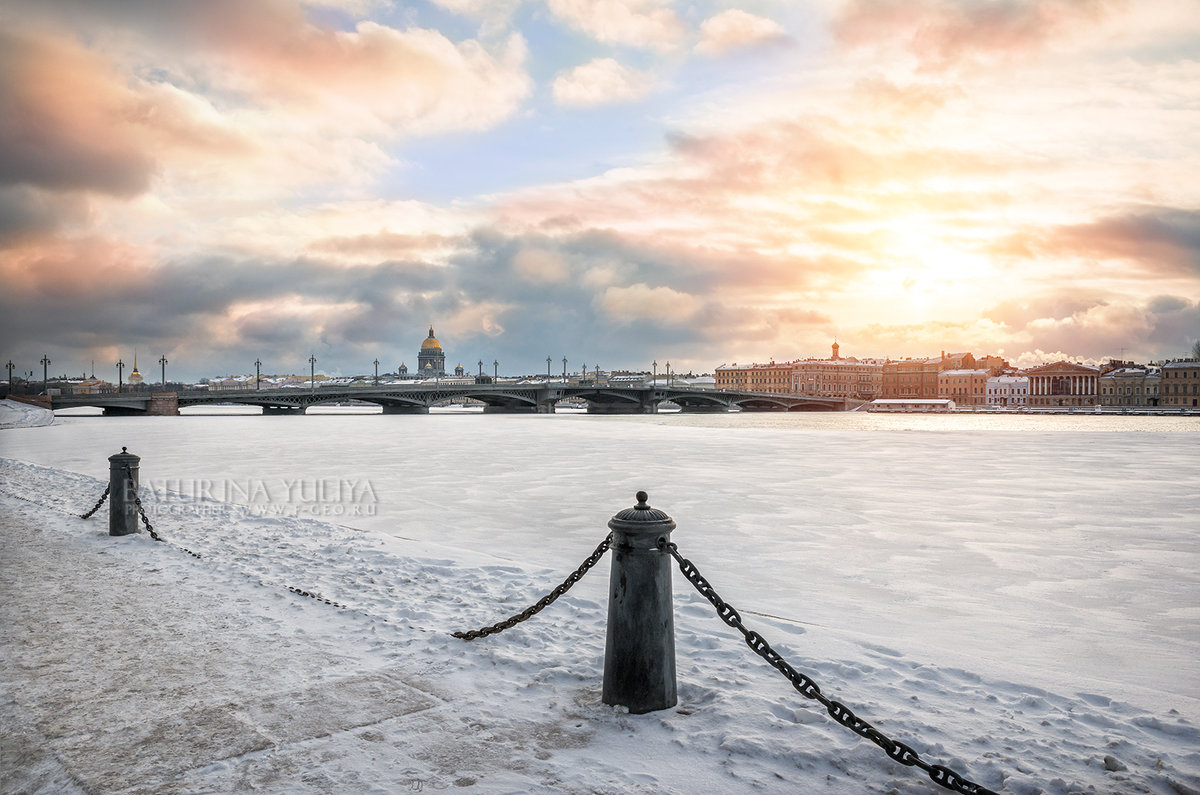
836 348
135 377
459 370
431 360
403 369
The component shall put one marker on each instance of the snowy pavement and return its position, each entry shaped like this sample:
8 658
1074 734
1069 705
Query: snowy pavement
129 666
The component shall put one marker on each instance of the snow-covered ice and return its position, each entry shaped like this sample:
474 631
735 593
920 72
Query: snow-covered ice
1016 604
15 414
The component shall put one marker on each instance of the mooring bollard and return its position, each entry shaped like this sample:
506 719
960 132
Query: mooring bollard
639 653
122 489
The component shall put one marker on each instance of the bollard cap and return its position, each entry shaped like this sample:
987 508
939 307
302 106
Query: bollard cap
641 518
124 457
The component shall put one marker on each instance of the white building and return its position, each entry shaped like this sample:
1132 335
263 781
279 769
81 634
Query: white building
1008 390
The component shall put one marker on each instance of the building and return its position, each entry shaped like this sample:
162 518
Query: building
964 387
1063 384
1130 385
770 377
993 364
1008 391
431 359
1180 384
836 377
911 405
912 378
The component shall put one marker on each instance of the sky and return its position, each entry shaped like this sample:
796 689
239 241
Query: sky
617 182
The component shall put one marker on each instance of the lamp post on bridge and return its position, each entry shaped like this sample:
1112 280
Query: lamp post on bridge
120 373
312 374
257 374
496 370
376 372
163 361
10 366
481 368
668 375
564 368
45 377
654 364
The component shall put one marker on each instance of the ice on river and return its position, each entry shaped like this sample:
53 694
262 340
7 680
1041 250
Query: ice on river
1019 604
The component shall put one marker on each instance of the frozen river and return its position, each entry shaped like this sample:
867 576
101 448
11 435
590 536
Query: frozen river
1063 547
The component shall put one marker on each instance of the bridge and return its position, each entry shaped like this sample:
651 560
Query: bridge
540 398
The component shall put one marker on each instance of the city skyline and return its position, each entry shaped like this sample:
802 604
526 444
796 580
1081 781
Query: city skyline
223 182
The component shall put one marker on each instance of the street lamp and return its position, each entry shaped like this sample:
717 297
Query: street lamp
654 364
120 371
257 374
10 366
163 361
312 373
668 374
548 360
481 368
376 372
564 368
496 369
45 378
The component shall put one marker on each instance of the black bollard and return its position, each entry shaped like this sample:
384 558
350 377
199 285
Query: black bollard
639 653
122 489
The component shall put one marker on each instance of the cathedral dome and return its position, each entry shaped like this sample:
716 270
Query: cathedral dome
431 341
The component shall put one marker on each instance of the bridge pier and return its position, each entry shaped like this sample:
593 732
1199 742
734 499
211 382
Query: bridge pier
397 408
163 404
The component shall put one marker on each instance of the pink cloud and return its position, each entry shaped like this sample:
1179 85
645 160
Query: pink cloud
943 33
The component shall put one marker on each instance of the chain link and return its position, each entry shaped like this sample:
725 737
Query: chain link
313 595
898 751
137 500
536 608
99 502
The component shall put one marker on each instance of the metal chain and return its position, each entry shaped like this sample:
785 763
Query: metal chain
536 608
99 502
898 751
316 596
137 500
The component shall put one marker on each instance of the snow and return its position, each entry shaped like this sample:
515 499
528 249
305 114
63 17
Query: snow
1015 604
15 414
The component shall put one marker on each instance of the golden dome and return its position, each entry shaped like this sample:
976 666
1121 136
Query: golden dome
431 341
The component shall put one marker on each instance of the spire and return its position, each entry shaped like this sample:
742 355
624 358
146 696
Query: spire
431 329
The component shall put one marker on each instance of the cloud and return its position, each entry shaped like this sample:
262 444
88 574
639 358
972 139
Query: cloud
945 33
540 266
642 302
1159 239
600 82
634 23
250 96
55 97
735 29
31 214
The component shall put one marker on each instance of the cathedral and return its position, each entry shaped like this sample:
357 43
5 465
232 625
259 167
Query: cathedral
431 359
